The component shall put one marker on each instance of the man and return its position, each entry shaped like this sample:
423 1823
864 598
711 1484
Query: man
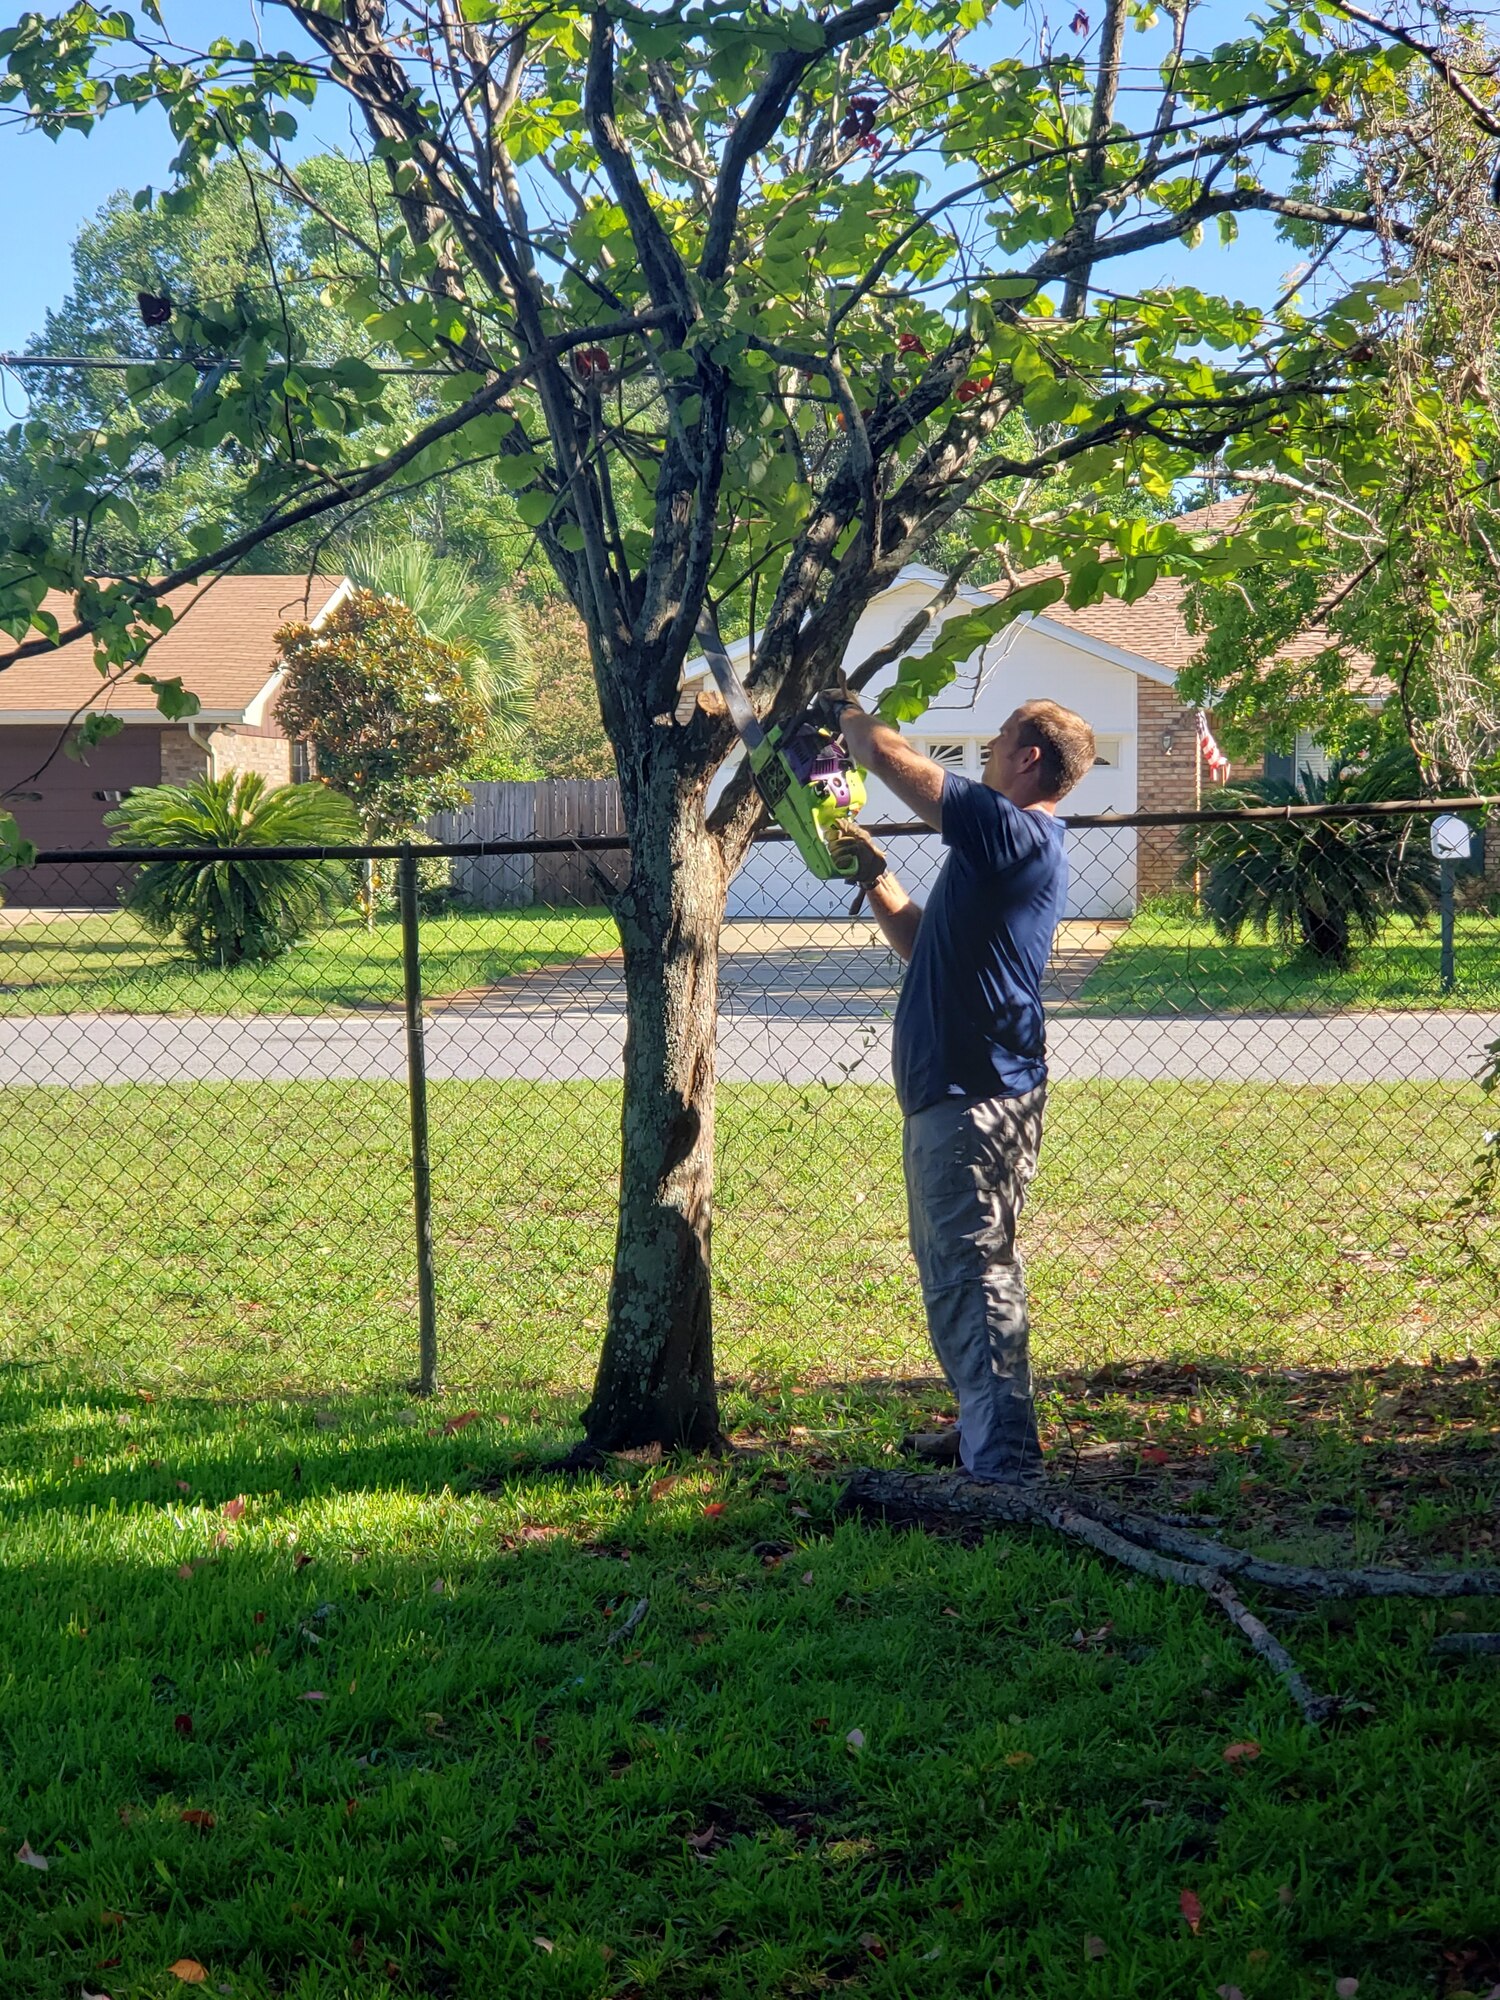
969 1051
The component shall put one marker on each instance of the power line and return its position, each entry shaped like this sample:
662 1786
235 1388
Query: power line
119 362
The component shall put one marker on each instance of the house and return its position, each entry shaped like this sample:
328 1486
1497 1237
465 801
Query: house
222 646
1115 664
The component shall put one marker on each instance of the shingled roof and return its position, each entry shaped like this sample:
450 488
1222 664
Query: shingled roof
1155 628
223 646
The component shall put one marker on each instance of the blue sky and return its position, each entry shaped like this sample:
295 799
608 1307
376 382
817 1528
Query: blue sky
54 187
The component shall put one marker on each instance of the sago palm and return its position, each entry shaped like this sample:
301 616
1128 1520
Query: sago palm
236 911
450 603
1319 886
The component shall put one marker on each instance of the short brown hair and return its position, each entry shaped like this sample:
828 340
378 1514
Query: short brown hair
1065 741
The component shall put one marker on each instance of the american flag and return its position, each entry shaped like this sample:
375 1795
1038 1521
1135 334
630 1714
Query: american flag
1213 756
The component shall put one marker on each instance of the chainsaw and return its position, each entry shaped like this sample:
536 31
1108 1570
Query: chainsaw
801 769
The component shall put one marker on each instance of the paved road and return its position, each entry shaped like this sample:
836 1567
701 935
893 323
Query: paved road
785 1035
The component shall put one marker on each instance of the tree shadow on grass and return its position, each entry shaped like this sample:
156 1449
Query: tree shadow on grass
1397 1463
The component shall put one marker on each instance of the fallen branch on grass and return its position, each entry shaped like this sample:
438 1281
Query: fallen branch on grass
1162 1551
1468 1645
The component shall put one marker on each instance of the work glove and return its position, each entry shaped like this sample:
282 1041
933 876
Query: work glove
828 704
870 862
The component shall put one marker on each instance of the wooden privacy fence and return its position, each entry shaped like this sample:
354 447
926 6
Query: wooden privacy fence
550 809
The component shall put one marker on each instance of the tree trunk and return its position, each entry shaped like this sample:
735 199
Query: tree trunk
655 1384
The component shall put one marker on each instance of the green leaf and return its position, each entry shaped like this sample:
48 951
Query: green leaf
172 698
14 851
94 729
535 507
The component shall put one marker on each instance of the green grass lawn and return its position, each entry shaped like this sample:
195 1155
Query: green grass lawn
255 1238
330 1703
1168 963
107 962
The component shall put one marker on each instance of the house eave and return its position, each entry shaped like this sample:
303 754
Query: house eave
149 718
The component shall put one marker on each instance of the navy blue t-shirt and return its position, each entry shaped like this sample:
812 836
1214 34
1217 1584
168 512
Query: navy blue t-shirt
969 1021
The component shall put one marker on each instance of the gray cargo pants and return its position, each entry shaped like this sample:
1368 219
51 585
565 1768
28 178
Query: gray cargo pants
968 1163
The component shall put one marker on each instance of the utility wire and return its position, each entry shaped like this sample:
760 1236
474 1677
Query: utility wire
119 362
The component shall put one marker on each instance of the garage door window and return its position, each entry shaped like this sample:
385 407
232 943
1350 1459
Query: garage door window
958 753
1107 753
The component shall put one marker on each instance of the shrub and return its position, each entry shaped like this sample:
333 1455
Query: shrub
235 912
387 709
1318 886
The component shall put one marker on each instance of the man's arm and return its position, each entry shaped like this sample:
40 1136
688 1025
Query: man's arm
886 755
895 912
897 915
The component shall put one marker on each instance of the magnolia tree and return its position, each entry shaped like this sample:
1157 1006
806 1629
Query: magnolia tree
747 304
387 708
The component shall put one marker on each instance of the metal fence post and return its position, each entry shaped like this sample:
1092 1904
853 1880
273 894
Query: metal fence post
416 1087
1445 969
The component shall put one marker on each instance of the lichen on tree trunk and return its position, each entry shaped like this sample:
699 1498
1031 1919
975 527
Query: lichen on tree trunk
655 1383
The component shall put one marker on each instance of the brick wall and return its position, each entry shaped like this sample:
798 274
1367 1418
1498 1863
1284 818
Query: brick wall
234 749
1167 780
181 759
238 749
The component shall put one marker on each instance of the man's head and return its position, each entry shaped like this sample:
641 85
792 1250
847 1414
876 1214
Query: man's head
1040 754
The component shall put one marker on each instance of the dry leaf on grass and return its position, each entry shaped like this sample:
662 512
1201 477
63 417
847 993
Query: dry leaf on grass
1346 1988
28 1858
544 1944
714 1507
1241 1753
1094 1947
233 1510
1192 1910
189 1971
1229 1993
183 1724
196 1816
661 1487
1019 1759
855 1739
461 1421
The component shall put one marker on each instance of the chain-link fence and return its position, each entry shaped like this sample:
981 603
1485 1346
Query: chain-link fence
1255 1151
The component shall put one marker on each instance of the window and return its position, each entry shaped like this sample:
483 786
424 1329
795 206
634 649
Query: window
1107 753
958 753
302 768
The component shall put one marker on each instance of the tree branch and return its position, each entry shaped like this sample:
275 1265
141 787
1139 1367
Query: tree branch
367 482
762 119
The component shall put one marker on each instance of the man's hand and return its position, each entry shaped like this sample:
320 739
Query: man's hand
829 705
851 840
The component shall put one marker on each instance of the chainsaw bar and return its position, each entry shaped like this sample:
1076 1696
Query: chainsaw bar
806 805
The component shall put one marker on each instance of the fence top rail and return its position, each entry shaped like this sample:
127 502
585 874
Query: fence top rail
603 843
